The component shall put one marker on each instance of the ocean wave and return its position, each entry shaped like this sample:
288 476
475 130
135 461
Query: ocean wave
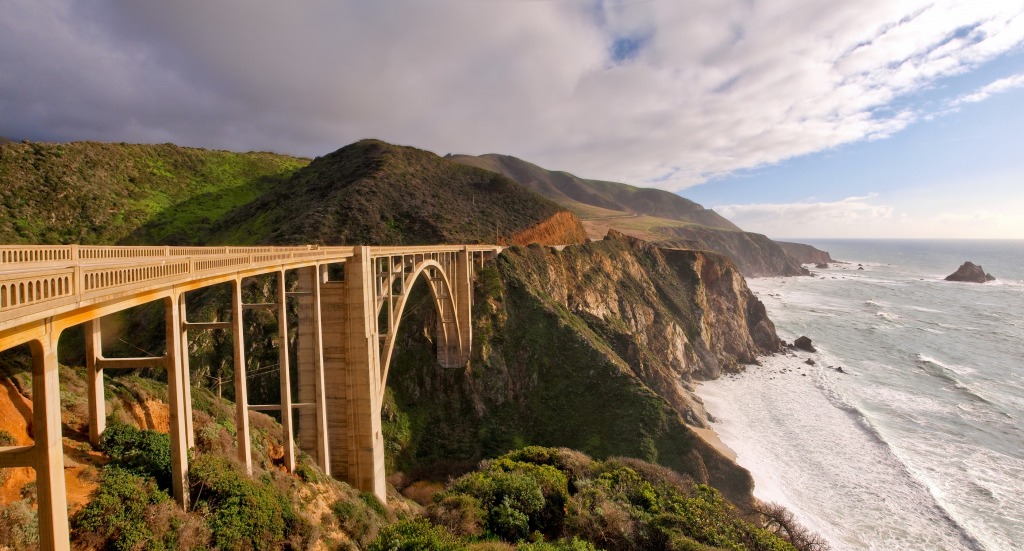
862 419
888 315
948 373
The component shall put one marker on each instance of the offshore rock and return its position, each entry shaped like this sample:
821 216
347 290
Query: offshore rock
971 273
804 343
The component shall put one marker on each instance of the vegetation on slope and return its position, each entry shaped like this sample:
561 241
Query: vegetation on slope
589 348
103 193
371 192
651 214
614 198
558 499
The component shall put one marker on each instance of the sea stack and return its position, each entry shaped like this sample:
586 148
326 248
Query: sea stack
804 343
970 272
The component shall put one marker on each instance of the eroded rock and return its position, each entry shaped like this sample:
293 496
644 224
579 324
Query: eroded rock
971 273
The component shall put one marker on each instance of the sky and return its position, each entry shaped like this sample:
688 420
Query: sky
793 118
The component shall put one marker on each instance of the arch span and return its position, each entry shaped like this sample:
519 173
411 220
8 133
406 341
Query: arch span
451 351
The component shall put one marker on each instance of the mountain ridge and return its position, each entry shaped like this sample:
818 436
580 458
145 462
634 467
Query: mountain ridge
651 214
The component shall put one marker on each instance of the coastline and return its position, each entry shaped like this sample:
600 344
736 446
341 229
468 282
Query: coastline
711 438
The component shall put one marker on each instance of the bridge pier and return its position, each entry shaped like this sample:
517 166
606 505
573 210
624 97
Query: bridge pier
49 446
176 391
362 375
244 442
94 380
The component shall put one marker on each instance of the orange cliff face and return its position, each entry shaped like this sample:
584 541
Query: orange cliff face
16 420
561 229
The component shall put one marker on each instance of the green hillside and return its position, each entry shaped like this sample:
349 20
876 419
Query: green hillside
581 195
103 193
650 214
374 192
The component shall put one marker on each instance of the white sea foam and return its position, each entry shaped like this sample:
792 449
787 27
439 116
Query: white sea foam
937 392
828 464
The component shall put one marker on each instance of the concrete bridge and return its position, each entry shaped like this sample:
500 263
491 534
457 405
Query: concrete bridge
346 332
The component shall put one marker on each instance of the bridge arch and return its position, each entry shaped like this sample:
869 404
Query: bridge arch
451 349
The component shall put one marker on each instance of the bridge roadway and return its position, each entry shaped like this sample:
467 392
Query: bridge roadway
346 331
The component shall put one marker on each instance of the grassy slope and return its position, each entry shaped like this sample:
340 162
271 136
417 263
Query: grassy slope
102 193
371 192
609 198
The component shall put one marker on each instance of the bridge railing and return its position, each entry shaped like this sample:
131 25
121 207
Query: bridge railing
37 277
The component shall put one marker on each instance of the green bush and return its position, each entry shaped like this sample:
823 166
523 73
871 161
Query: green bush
562 545
117 518
358 518
242 512
460 513
146 453
508 522
415 535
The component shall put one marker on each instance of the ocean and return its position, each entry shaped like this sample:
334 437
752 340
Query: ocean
919 442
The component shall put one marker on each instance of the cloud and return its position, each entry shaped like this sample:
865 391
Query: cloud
996 87
652 93
844 212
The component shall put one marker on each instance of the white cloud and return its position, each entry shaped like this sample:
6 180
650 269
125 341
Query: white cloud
817 218
996 87
713 86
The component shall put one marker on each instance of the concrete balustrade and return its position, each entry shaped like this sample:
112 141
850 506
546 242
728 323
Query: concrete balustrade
346 329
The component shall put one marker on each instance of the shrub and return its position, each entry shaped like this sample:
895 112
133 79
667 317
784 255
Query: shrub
7 439
19 526
116 518
415 535
357 518
459 513
508 522
146 453
242 511
562 545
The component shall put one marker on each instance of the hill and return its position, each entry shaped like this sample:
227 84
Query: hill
104 193
581 196
651 214
375 192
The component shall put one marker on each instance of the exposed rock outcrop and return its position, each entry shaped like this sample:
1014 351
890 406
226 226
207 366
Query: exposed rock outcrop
754 254
804 343
971 273
805 254
593 347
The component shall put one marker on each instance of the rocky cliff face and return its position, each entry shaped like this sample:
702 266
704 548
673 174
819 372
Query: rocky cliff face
594 348
806 254
561 229
754 254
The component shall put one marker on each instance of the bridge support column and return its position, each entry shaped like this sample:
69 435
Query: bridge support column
49 447
310 365
241 383
286 374
363 370
94 380
462 280
186 375
176 391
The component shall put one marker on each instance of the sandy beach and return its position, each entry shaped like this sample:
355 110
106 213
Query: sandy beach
711 437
